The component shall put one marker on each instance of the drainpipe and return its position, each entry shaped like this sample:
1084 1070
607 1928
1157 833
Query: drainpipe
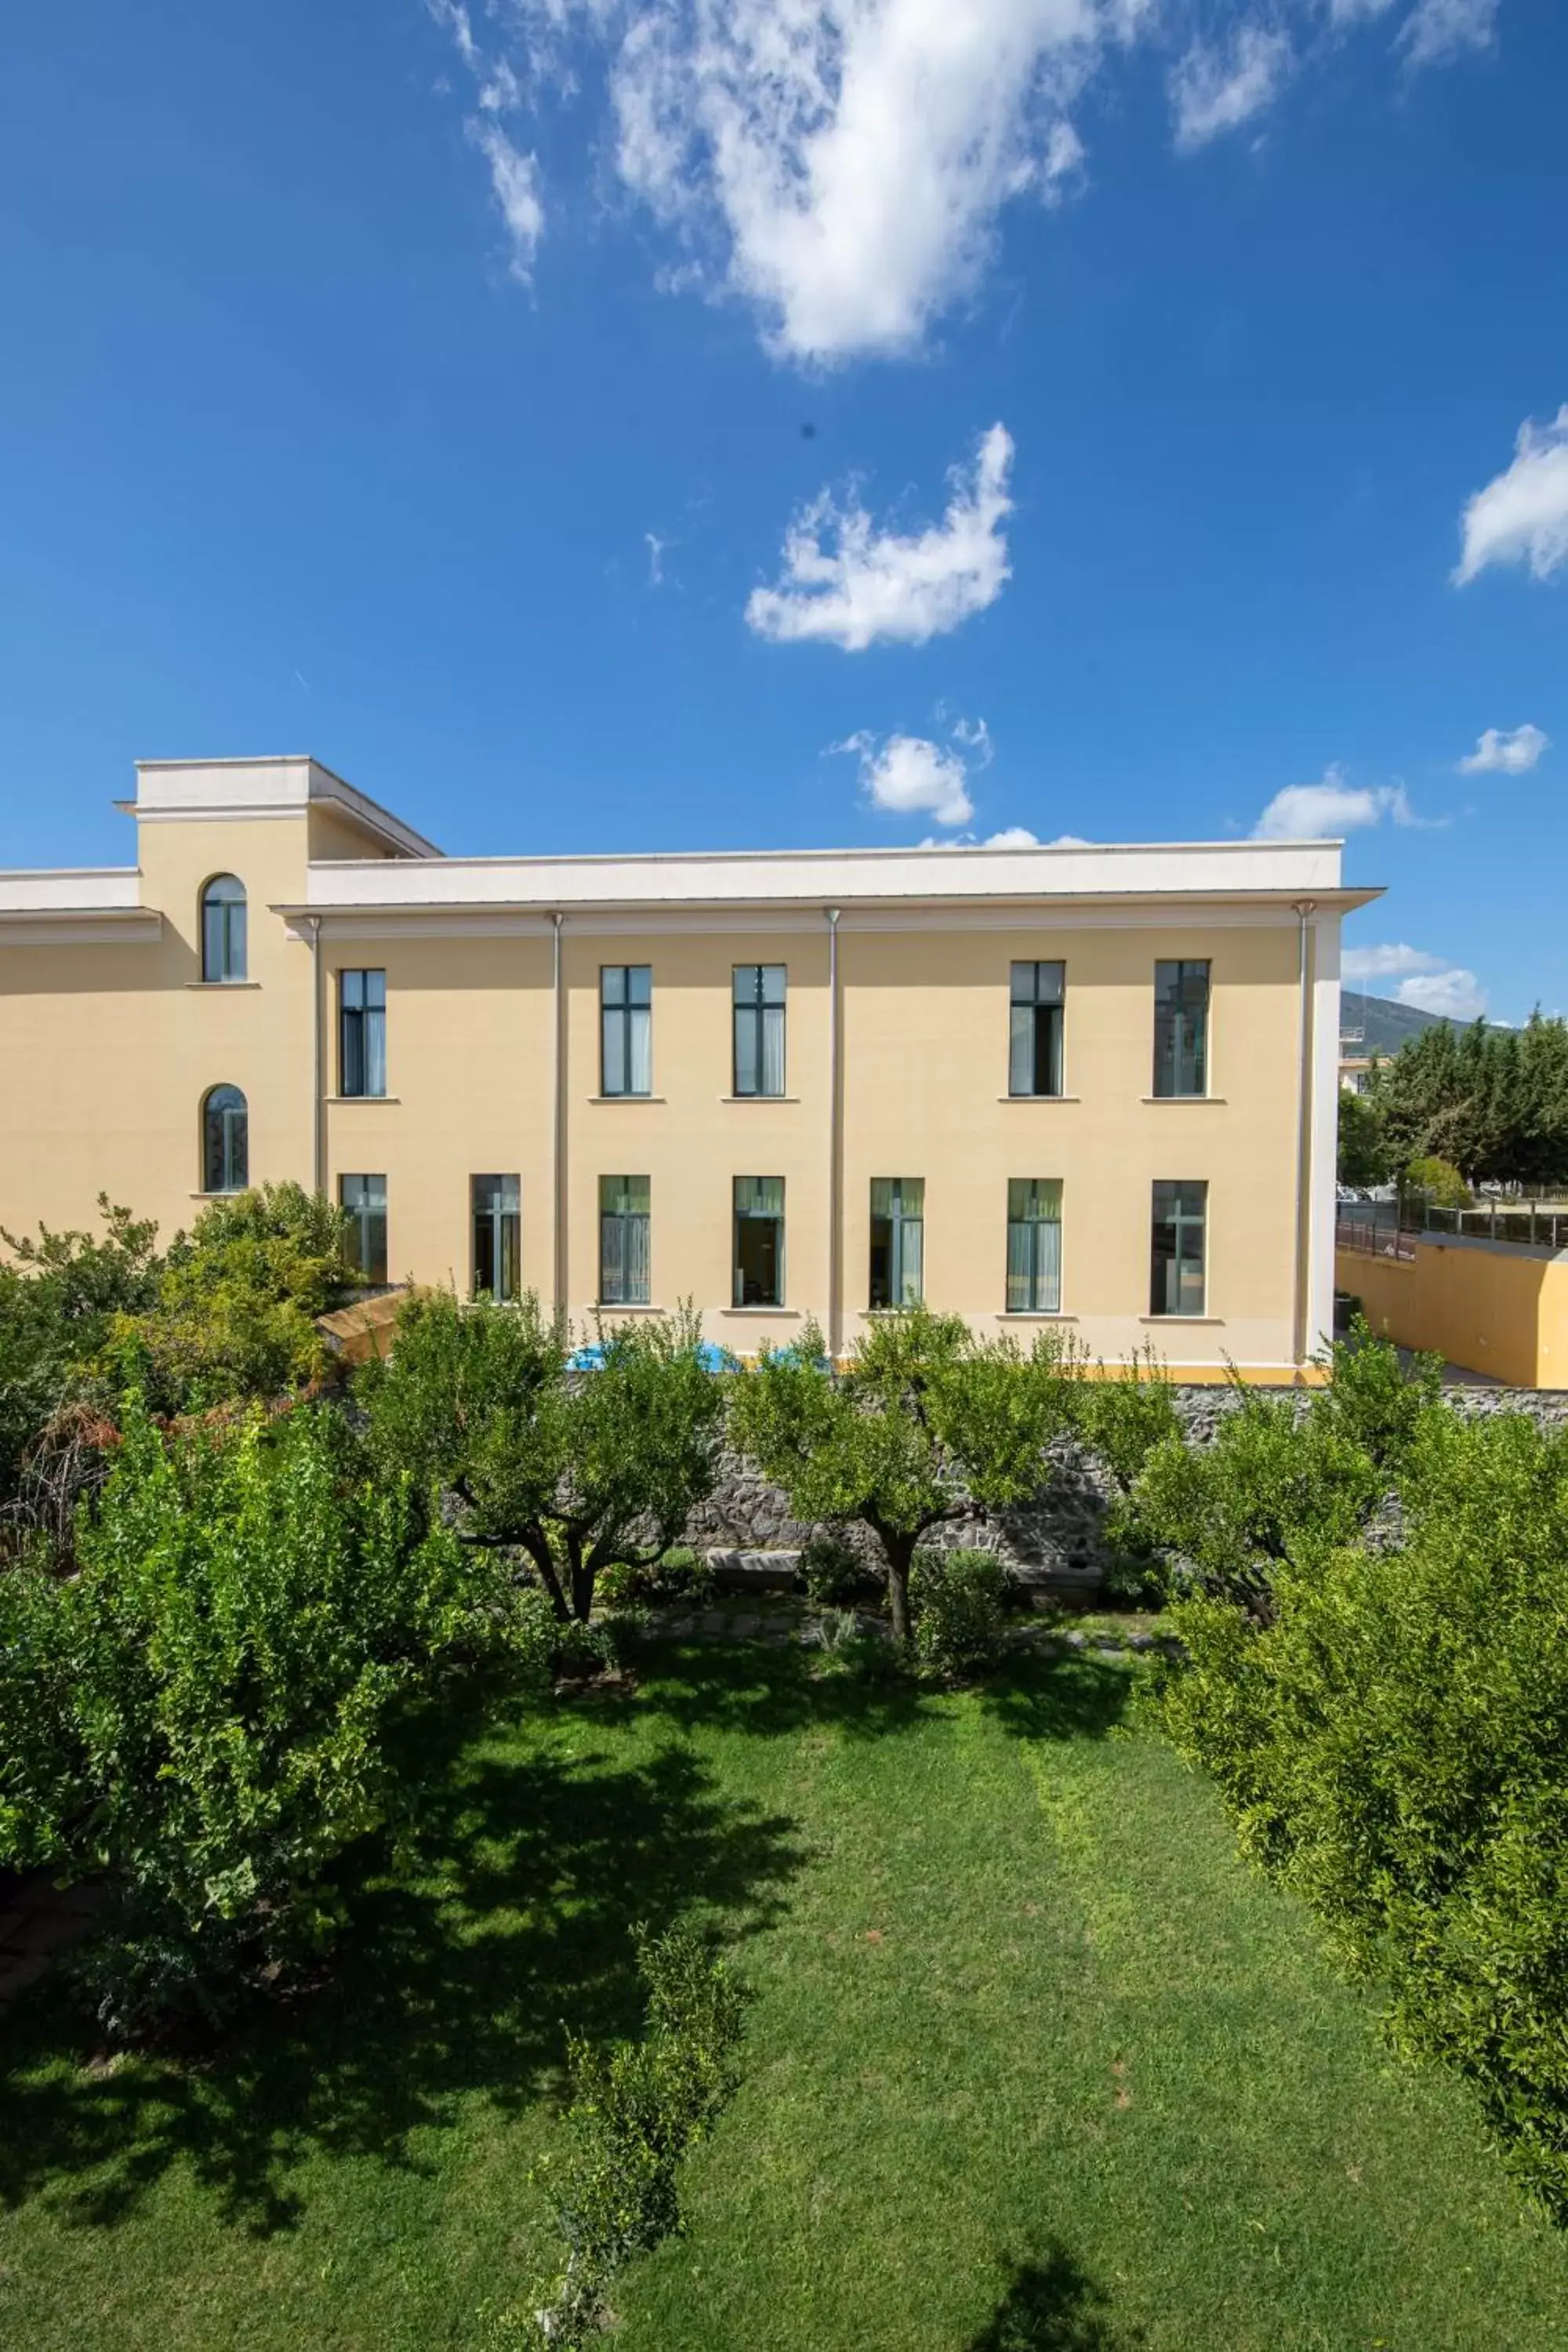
835 1146
1303 909
318 1124
558 1144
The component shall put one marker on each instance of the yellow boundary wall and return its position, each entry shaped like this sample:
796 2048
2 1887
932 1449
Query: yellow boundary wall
1483 1305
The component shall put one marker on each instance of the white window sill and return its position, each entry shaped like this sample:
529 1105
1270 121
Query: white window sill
363 1098
1216 1320
216 985
1039 1098
627 1098
628 1307
1035 1315
1182 1099
238 1194
759 1310
756 1099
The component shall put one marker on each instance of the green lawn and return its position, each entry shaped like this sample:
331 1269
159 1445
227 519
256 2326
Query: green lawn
1032 2063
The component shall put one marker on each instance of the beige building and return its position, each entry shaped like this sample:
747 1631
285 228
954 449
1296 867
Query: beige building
1092 1088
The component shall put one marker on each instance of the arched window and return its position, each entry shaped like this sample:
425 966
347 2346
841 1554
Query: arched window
223 928
225 1141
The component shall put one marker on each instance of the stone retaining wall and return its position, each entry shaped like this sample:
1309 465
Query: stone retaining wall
1056 1544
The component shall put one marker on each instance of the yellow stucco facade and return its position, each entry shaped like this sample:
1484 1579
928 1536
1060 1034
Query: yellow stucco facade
895 1059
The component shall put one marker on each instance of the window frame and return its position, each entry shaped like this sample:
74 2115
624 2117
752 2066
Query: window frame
751 1014
363 1214
1033 1227
623 1222
502 1216
1165 1265
743 1214
1047 1012
902 1225
225 960
1184 1050
360 1024
236 1121
619 1017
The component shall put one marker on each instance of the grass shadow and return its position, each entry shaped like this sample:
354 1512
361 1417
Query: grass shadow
513 1911
751 1687
1052 2304
1071 1695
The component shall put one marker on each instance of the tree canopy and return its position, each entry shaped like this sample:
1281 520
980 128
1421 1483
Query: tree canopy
1493 1102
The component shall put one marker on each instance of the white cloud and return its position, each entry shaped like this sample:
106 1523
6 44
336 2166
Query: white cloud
1510 751
1386 962
1012 836
1325 811
500 94
1354 12
1458 993
1521 517
909 775
454 19
976 736
846 583
1215 89
514 180
841 162
656 548
1436 31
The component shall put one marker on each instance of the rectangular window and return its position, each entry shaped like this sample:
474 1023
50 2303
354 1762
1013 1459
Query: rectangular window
625 1025
1181 1216
759 1241
624 1241
760 1028
1035 1034
1034 1245
362 1035
1180 1028
364 1198
497 1237
898 1240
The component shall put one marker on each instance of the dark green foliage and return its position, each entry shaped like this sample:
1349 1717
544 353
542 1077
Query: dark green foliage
835 1574
214 1693
1365 1158
582 1471
1494 1102
678 1578
234 1316
1121 1417
923 1414
638 2107
958 1599
58 1299
1393 1745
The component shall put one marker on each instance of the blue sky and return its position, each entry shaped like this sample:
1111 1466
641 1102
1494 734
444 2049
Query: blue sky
571 422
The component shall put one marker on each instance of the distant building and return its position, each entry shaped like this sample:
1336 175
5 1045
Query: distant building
1075 1087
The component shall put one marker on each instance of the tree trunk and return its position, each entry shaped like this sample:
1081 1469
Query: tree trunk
582 1573
537 1547
901 1551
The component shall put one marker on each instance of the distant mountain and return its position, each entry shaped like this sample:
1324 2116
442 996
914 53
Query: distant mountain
1386 1023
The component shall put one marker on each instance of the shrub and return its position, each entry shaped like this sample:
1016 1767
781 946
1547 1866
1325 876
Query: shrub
638 2109
1435 1184
958 1597
1270 1484
218 1687
235 1313
1121 1417
1392 1746
835 1574
678 1578
1377 1399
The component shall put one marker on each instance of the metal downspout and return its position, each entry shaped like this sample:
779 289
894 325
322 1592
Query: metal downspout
558 1137
318 1120
835 1146
1304 908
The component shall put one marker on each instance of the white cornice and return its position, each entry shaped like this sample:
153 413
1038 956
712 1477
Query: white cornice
71 890
190 791
127 927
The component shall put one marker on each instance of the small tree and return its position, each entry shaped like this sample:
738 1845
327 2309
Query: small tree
1365 1158
925 1423
579 1468
236 1302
